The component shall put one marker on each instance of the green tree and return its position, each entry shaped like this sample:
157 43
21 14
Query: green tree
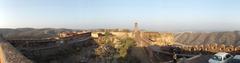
125 44
107 33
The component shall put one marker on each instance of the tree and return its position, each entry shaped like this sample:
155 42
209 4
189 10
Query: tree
107 33
125 44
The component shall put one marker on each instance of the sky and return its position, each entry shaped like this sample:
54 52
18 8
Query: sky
156 15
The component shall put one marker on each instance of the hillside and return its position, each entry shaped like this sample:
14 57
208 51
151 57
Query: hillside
30 33
195 38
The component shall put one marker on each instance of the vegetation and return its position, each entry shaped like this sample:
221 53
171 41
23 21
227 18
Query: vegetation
107 34
114 47
126 43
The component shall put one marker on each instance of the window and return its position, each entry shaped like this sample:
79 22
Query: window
227 56
218 58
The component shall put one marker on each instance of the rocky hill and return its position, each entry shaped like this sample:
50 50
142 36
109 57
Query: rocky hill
195 38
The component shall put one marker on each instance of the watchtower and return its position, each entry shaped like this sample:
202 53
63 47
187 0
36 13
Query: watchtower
135 27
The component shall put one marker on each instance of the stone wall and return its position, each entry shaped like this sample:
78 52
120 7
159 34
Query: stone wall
9 54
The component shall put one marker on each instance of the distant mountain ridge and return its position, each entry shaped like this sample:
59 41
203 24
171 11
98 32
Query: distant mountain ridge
30 33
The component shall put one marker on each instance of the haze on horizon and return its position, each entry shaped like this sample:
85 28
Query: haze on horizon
158 15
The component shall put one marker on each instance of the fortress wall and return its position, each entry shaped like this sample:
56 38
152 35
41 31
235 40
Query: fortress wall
121 34
9 54
2 56
95 34
196 38
118 34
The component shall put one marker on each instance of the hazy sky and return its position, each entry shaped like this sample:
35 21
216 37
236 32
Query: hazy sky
160 15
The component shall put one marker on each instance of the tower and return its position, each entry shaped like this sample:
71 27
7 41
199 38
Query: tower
136 34
135 27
